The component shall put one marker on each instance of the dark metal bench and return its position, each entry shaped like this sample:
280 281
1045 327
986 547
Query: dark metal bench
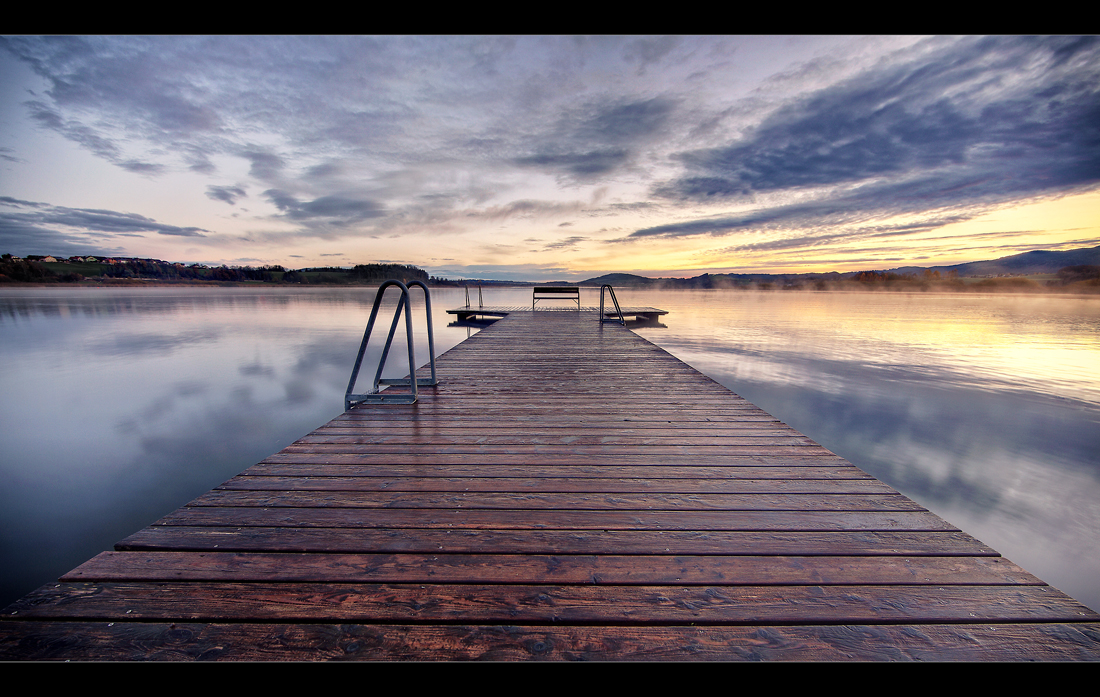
556 293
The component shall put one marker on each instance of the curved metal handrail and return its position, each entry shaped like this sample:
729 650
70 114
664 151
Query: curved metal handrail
480 302
431 336
618 310
405 303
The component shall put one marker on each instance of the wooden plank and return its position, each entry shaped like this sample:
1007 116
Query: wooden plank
645 455
283 539
668 604
558 485
557 520
563 437
602 569
144 641
293 454
289 463
536 501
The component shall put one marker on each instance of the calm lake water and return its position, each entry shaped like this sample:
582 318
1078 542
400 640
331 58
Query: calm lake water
119 406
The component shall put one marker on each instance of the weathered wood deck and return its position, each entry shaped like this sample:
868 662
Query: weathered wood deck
569 491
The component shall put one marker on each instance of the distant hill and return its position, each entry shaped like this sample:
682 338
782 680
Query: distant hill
621 280
709 280
1018 264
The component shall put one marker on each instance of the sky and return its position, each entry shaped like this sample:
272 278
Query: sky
550 157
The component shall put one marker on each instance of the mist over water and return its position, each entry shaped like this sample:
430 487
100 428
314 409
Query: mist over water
119 406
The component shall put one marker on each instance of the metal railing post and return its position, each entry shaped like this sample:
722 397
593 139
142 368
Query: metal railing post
431 335
480 301
618 310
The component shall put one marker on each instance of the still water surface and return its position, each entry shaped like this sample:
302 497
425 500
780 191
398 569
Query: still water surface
119 406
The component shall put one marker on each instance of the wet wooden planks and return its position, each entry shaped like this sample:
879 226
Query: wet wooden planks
569 491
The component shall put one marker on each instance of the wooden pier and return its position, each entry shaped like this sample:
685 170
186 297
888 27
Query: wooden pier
569 491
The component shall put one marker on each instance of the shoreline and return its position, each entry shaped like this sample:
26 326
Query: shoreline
968 289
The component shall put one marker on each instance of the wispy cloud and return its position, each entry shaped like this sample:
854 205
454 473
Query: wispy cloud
600 139
567 243
970 124
229 194
335 209
28 227
6 154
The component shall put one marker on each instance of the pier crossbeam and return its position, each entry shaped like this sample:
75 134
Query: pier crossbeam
568 491
649 314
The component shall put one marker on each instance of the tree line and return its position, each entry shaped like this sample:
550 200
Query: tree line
34 270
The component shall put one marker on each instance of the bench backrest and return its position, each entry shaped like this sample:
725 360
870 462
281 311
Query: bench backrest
558 290
570 293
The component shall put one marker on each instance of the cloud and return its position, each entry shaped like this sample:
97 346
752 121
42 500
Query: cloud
945 111
977 122
526 209
801 241
313 118
82 74
74 131
599 139
567 243
578 164
107 91
90 139
649 50
627 122
33 226
198 161
266 166
138 167
340 210
229 194
5 154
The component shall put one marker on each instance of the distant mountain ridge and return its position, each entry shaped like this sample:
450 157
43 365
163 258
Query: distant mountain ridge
1039 261
1034 262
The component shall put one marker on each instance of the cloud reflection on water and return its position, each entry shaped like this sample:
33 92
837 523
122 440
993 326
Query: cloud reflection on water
981 430
122 405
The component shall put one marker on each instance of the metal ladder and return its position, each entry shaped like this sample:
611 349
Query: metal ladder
615 300
405 302
480 302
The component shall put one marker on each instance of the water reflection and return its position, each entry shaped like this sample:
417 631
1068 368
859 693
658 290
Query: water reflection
983 409
121 405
